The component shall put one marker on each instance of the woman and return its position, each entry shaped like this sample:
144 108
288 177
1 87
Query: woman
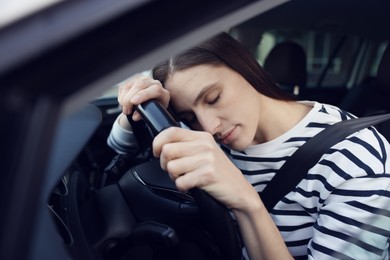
341 209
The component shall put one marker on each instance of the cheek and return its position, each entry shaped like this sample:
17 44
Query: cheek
237 110
249 127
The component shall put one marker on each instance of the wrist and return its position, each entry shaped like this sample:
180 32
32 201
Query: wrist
251 206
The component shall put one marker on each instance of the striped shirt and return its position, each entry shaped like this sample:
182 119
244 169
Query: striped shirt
341 209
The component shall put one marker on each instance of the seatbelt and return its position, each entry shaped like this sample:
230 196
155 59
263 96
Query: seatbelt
298 165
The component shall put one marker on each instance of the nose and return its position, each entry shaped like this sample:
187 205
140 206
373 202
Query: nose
209 122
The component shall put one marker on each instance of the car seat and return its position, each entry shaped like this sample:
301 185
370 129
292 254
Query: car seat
286 63
373 97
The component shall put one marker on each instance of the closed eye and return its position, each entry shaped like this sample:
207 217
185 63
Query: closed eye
214 100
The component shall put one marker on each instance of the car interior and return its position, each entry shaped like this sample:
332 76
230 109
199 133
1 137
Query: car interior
336 56
67 195
286 64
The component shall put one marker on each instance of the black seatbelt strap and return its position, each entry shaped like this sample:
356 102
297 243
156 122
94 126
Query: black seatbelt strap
298 165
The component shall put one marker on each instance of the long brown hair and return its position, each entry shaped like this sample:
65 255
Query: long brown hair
222 50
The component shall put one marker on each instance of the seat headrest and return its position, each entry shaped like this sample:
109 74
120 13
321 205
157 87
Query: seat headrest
383 73
286 62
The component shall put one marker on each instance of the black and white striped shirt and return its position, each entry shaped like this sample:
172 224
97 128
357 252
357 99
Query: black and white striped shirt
341 209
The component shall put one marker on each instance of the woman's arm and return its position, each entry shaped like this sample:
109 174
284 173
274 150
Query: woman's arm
261 237
121 137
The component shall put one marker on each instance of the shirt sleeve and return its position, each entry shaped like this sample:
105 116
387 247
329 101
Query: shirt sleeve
354 218
354 222
120 139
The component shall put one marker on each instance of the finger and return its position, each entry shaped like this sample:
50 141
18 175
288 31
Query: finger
132 86
152 91
129 96
190 180
136 116
126 110
185 165
142 91
127 105
123 98
172 151
126 85
184 183
176 134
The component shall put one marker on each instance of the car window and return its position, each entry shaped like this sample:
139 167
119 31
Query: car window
113 91
329 53
377 59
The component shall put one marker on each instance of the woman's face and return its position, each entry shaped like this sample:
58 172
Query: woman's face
218 100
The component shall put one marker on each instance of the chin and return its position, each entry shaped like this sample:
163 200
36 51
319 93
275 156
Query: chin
238 146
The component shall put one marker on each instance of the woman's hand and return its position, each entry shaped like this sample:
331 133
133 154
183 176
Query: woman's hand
194 159
140 88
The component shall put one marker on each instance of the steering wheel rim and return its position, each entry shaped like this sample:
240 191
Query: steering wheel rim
152 196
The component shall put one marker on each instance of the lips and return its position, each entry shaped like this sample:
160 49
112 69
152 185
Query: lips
228 136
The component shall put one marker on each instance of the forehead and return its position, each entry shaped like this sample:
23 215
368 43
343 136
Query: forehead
186 85
192 74
189 82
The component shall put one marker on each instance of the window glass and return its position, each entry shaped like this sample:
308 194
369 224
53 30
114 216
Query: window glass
330 56
378 58
113 91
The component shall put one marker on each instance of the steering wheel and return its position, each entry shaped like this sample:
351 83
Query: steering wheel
220 224
162 193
